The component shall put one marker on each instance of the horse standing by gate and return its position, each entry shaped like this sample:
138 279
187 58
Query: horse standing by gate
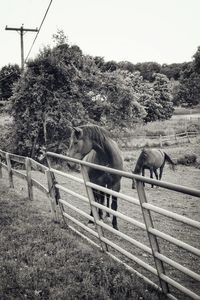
93 143
152 159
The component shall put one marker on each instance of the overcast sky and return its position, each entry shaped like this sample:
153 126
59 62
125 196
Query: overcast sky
163 31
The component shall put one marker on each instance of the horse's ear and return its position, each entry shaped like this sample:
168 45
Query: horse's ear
78 132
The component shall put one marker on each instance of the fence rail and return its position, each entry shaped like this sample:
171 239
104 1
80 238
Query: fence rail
154 235
159 140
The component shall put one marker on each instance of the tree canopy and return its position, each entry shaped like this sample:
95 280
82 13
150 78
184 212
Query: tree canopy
188 91
8 76
62 87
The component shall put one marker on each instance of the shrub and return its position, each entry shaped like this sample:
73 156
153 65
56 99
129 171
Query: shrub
187 160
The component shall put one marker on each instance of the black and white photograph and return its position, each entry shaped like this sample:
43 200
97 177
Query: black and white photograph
100 150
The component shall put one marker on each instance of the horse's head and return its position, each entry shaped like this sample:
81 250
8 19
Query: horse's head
80 144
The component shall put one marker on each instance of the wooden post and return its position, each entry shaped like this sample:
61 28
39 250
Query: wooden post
91 198
160 140
152 238
9 166
52 197
187 134
175 137
29 180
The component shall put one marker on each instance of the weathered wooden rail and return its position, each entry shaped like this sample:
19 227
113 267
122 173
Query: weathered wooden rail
159 141
154 235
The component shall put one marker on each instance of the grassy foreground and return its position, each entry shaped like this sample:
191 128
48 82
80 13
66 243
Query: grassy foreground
42 260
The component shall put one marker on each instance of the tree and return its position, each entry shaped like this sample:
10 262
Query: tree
147 70
8 76
189 89
158 104
44 100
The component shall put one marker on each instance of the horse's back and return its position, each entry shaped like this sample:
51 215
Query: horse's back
153 157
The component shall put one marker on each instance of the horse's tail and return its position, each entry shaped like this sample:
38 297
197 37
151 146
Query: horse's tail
140 162
170 161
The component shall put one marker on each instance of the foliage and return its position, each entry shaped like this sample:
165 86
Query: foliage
8 76
187 160
62 87
42 104
189 89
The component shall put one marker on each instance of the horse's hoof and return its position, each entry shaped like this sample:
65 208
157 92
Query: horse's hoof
116 227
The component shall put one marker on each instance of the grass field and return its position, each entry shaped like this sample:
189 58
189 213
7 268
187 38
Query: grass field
39 208
43 260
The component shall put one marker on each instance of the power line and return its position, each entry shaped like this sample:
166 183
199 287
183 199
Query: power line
38 30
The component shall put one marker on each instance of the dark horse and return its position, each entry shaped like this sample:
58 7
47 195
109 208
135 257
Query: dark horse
152 159
93 143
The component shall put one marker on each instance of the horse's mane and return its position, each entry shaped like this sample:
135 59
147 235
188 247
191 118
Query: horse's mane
96 133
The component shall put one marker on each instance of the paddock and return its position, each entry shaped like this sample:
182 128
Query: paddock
141 244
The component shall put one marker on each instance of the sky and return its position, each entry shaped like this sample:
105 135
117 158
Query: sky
163 31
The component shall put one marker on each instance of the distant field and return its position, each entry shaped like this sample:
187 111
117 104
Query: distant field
186 111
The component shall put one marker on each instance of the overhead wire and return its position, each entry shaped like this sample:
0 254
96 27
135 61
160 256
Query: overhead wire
38 30
33 40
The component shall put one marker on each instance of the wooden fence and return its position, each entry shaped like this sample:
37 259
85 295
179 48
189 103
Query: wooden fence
130 141
165 282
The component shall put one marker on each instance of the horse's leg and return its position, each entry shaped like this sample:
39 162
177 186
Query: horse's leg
116 188
143 174
108 204
101 196
156 173
161 170
151 175
114 207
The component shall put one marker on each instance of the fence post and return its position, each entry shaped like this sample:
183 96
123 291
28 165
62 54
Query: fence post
94 210
187 134
29 180
152 238
51 196
160 140
10 175
175 137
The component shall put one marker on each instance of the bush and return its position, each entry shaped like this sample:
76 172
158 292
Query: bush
187 160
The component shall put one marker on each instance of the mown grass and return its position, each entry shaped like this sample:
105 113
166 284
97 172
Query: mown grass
42 260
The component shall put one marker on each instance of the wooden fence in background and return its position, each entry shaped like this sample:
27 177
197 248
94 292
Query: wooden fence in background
130 141
154 235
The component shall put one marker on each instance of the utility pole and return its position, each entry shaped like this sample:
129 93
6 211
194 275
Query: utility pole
22 30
